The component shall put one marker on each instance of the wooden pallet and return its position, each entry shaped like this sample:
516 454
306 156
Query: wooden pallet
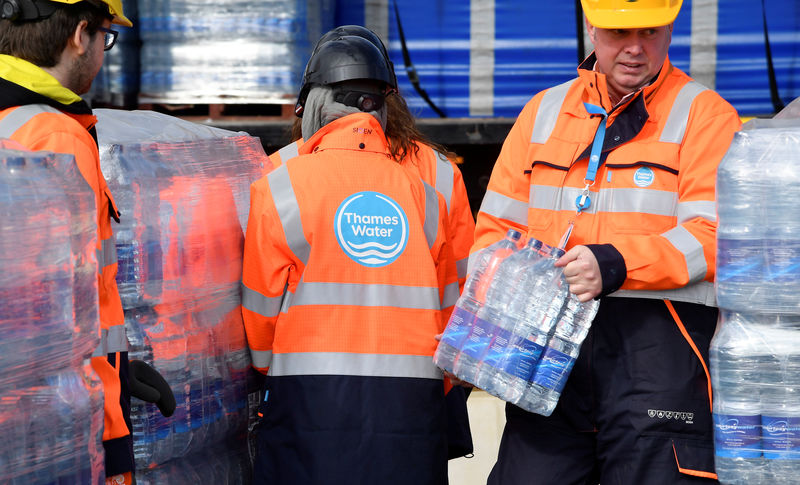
220 111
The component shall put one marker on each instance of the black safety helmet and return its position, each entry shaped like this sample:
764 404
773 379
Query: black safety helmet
346 58
360 31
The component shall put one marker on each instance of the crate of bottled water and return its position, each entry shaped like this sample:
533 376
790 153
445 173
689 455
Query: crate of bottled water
516 330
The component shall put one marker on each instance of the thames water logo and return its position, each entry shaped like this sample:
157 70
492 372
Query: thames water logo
644 177
371 228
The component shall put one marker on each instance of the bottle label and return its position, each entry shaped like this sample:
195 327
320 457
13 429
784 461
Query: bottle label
737 436
783 258
739 260
479 338
781 437
553 370
458 327
497 348
522 358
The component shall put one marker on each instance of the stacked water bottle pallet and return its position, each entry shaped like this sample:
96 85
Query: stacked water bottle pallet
755 354
516 330
183 190
51 411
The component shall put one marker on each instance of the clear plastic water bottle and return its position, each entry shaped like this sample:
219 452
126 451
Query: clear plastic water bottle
480 331
516 280
780 402
472 298
782 184
562 350
741 230
737 356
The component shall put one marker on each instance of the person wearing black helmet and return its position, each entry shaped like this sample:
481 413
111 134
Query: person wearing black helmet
347 274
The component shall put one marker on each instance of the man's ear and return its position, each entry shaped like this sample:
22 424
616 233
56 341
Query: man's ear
80 38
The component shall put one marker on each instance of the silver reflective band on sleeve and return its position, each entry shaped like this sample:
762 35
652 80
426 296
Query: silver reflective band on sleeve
366 295
701 293
481 57
352 364
675 127
705 209
444 178
17 118
685 242
451 294
280 184
107 255
263 305
431 227
112 340
504 207
703 53
643 201
261 358
289 152
547 114
462 265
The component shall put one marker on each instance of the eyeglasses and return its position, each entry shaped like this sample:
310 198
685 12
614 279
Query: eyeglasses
109 37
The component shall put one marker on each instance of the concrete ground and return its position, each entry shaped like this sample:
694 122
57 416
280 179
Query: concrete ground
486 418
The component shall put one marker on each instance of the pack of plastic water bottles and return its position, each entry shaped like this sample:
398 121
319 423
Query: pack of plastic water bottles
183 193
51 411
516 330
755 354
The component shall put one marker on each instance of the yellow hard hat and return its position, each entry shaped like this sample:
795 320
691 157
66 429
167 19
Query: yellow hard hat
630 14
114 7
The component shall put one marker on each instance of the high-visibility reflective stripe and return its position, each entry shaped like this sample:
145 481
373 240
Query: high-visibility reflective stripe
504 207
444 178
549 109
353 364
481 57
462 265
263 305
645 201
289 212
261 358
706 209
112 340
17 118
692 250
107 255
431 226
366 295
702 293
675 127
289 152
450 295
703 52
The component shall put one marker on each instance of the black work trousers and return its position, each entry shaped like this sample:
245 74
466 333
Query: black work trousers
635 409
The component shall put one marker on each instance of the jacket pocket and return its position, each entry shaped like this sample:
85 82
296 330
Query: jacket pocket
694 457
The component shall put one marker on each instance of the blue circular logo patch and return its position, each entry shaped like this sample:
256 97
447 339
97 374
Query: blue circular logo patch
371 228
644 177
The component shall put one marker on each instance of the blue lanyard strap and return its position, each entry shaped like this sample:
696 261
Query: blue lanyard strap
583 201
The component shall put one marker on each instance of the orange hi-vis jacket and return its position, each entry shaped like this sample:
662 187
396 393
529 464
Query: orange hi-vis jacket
653 196
444 175
308 291
41 114
347 276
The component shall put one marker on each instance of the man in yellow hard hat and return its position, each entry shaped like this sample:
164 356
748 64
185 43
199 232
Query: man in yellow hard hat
619 165
50 52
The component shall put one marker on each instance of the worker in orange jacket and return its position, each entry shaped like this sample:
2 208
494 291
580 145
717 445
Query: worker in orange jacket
50 51
434 165
619 165
347 274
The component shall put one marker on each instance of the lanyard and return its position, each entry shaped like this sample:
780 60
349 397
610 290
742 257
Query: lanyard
583 201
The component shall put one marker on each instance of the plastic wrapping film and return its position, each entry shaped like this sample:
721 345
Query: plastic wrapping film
51 409
755 354
201 51
183 191
224 464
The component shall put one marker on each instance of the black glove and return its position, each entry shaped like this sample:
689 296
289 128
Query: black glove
148 385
